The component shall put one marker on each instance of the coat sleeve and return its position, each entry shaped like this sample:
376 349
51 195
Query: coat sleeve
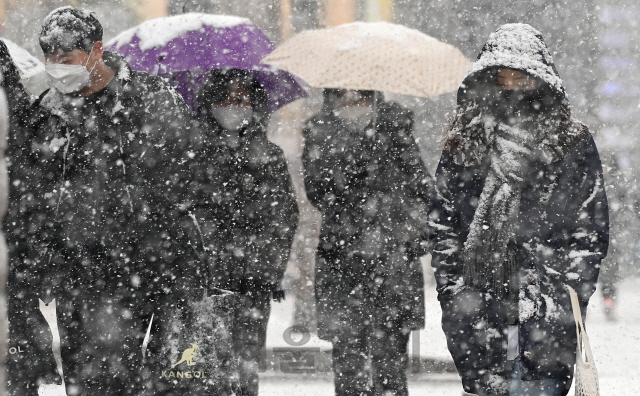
318 168
278 220
589 235
416 182
161 173
445 230
17 96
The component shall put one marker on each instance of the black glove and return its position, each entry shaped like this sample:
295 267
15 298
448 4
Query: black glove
278 295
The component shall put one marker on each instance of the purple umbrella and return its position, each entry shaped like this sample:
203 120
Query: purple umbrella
184 48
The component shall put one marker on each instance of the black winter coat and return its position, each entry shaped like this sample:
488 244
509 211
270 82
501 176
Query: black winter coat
245 206
561 237
562 240
96 220
28 331
372 189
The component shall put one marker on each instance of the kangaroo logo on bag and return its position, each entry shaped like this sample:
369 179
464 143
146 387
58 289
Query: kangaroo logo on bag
187 358
188 355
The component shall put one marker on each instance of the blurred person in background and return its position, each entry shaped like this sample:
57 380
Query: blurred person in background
518 212
623 209
245 205
364 173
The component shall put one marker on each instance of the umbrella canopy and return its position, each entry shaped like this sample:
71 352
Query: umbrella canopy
376 56
31 69
186 47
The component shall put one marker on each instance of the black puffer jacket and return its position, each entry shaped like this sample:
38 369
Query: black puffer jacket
97 185
245 206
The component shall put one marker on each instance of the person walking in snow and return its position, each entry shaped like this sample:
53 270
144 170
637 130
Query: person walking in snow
518 212
28 330
246 207
102 194
364 173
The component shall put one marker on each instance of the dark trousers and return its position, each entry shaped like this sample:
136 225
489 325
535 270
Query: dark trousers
370 361
100 347
249 334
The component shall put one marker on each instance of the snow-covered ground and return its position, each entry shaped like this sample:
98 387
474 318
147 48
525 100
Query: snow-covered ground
274 386
616 346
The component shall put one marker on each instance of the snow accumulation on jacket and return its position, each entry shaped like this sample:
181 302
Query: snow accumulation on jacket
96 220
561 233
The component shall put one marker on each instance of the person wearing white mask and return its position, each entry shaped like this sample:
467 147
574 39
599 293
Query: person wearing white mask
363 172
245 201
105 182
74 62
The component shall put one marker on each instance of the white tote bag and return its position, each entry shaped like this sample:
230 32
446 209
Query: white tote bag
586 375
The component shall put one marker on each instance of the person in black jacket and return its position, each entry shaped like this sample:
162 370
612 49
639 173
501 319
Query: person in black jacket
99 215
28 330
245 206
364 173
518 213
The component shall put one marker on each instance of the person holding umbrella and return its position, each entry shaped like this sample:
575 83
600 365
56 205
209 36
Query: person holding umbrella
364 173
104 186
519 212
246 207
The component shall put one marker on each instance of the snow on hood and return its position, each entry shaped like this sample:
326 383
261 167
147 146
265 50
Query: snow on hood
518 46
159 32
27 64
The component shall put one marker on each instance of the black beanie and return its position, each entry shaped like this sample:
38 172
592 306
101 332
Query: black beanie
68 28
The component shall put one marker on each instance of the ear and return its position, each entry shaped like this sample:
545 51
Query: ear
98 50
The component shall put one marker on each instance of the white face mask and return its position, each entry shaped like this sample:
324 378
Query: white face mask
357 116
69 78
233 117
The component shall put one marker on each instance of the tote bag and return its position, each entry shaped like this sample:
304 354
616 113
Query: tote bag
586 375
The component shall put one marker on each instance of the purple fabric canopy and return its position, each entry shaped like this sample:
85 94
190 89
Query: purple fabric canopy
184 48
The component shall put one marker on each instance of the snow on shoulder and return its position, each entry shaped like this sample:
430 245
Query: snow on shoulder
159 32
519 46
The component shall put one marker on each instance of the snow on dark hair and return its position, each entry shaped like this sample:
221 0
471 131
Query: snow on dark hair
68 28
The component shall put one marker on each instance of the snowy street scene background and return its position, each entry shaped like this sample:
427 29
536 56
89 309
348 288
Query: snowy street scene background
319 197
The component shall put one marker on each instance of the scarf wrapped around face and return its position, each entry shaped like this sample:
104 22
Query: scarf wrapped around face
489 256
512 135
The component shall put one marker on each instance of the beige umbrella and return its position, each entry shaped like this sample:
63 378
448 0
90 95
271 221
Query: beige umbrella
376 56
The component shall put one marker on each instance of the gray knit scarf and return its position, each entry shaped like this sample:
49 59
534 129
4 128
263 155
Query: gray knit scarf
489 254
512 150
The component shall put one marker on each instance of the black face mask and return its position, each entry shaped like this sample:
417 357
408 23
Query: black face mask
512 105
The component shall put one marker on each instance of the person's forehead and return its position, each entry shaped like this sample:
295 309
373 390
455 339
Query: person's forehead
512 73
66 54
238 87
